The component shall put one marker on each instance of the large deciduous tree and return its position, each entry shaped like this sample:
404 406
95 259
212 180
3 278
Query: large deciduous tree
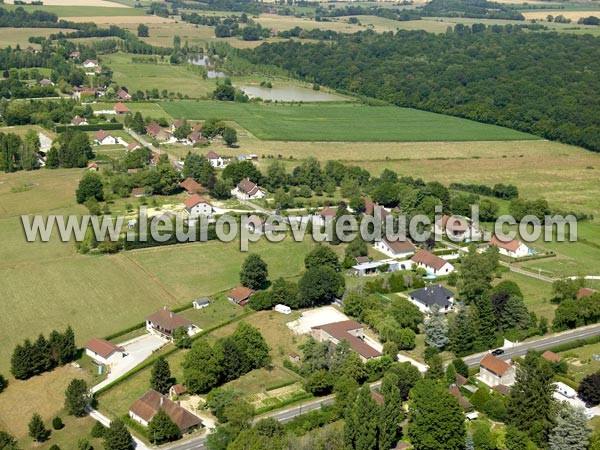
254 273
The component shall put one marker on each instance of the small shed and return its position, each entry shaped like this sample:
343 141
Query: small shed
200 303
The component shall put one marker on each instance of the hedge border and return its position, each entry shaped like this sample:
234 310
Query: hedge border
150 361
289 401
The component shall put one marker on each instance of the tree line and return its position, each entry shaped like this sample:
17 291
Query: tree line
44 354
547 95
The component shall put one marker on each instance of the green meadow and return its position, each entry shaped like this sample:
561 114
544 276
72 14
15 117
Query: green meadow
342 122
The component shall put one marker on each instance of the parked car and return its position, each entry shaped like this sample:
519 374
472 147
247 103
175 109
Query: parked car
498 352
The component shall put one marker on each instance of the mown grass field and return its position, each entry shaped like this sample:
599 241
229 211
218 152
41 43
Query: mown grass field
43 394
142 76
536 294
342 122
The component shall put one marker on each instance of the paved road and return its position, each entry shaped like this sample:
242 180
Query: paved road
282 416
543 343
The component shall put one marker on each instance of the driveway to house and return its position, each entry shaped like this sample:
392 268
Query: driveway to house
316 317
138 350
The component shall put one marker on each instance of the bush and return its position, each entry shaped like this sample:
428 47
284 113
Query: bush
57 423
98 430
54 447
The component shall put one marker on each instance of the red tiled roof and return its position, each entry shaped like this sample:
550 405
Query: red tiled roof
178 123
511 246
101 135
194 200
123 94
377 397
494 364
240 293
551 356
179 389
195 136
461 400
327 212
121 108
133 145
453 223
168 320
247 187
399 246
153 128
149 404
584 292
102 347
192 186
502 388
460 380
340 331
77 120
138 191
428 259
212 155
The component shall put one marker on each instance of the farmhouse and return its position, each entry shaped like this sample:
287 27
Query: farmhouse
200 303
346 330
195 137
372 207
494 371
192 186
396 248
247 190
103 352
215 160
177 124
133 146
79 121
146 407
121 108
196 205
164 322
103 138
90 63
122 94
433 264
456 228
512 249
430 296
324 216
157 132
240 295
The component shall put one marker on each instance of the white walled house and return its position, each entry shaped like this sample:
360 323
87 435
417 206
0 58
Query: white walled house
456 227
103 352
215 160
395 249
431 296
196 206
512 249
164 323
103 138
494 371
247 190
90 63
433 264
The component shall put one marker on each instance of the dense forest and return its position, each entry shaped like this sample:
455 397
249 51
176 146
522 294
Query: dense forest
543 83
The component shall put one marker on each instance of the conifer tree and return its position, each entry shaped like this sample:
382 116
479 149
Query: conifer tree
160 378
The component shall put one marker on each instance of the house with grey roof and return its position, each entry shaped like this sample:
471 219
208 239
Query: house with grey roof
431 296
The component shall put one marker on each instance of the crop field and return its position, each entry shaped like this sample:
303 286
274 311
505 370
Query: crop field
161 76
342 122
20 36
80 10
